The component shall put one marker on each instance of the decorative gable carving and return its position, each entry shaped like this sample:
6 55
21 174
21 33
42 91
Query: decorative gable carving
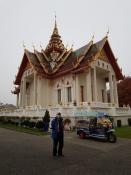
103 56
28 66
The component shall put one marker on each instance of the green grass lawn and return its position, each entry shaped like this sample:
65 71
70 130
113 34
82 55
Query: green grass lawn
25 130
124 132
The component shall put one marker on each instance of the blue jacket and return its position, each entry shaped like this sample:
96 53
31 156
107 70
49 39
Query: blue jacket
55 128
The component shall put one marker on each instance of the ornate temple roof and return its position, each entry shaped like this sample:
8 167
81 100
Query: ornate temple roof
56 60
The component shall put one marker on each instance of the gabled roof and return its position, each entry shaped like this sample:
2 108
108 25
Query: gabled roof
30 58
56 60
71 61
113 61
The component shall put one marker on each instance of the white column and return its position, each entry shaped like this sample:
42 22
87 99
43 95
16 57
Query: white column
23 92
95 85
111 87
77 91
88 83
73 90
35 89
115 91
48 92
21 86
38 90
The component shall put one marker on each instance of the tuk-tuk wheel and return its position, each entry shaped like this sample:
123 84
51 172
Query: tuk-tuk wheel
112 138
82 135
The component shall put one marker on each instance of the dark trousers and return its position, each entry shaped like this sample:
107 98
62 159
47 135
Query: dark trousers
58 144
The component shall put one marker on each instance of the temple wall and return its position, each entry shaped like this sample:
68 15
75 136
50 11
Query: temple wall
60 83
42 95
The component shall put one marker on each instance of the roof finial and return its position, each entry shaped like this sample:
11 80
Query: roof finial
72 46
33 46
24 45
66 45
107 32
55 20
92 37
41 46
55 15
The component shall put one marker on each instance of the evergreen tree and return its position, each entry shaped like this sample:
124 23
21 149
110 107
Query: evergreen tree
46 118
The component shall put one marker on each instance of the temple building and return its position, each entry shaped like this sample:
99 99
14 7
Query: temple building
68 81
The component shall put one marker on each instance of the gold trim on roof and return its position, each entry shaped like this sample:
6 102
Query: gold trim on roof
83 55
47 59
62 61
41 63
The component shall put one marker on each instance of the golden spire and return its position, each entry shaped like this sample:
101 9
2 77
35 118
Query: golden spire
55 42
55 31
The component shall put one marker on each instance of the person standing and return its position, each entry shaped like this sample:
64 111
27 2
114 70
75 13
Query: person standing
57 127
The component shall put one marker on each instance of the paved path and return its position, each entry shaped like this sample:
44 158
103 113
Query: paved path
25 154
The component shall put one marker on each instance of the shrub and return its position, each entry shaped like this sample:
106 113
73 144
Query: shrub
25 123
32 124
39 125
46 118
2 119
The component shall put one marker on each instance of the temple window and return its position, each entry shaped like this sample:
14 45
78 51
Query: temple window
82 93
59 96
69 95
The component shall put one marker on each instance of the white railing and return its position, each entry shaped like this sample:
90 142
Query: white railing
123 111
68 111
101 104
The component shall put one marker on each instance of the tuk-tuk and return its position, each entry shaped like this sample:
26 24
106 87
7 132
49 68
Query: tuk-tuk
99 127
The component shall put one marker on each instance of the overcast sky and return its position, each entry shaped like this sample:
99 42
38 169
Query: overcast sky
32 21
